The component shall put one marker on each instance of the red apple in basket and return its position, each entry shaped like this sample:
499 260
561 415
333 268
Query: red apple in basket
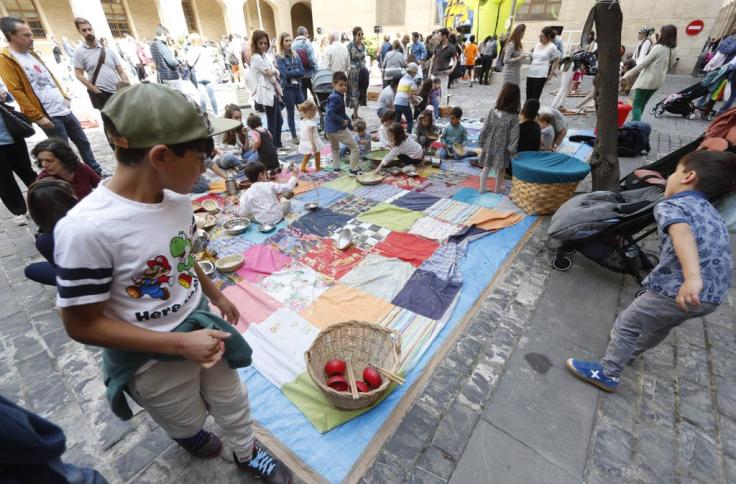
335 367
362 386
372 377
338 383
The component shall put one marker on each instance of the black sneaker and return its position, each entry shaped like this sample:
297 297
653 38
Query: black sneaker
355 172
204 445
262 465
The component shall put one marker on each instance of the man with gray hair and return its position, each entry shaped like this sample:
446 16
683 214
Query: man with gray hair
337 56
303 48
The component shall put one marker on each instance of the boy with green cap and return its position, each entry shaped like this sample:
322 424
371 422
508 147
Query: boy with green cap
128 282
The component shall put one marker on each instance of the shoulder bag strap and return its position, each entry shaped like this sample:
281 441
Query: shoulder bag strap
100 61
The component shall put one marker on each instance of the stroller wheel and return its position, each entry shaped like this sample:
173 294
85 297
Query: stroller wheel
562 263
658 113
653 109
692 115
567 251
640 292
710 116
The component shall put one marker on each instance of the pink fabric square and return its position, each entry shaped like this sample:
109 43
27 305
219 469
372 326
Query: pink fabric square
261 261
252 302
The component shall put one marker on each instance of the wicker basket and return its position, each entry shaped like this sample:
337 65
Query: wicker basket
359 344
541 198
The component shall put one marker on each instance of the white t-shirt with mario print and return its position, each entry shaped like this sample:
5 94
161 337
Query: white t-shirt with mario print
135 257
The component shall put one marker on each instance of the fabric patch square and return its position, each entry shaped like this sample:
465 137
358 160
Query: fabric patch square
404 182
252 302
320 176
474 182
380 192
296 286
507 204
261 261
227 245
380 276
279 344
342 303
438 188
471 196
257 237
431 228
323 196
390 216
304 186
426 294
417 333
447 176
492 219
460 166
365 235
353 205
331 261
416 201
345 183
451 211
407 247
321 222
445 263
293 242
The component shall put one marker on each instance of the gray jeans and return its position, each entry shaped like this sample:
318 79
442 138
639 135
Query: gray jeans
643 325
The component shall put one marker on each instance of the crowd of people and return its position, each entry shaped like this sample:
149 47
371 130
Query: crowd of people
92 232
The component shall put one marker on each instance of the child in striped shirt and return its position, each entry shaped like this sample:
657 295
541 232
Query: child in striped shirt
262 202
403 147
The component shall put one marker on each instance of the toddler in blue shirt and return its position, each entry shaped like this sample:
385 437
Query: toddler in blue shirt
693 274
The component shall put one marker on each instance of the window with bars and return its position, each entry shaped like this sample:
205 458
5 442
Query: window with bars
538 10
26 11
116 17
186 5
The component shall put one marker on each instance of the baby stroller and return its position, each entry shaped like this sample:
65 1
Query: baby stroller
606 227
682 102
322 86
587 62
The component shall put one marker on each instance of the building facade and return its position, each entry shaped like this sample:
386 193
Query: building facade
213 18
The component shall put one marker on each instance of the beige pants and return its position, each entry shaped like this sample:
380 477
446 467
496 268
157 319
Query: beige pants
180 394
345 137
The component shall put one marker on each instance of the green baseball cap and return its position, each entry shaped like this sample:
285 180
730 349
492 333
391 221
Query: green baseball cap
149 114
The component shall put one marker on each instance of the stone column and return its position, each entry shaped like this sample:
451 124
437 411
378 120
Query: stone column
172 17
92 11
234 17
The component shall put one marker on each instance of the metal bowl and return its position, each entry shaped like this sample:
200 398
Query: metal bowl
459 149
311 206
344 238
211 206
395 170
236 226
266 228
205 220
207 267
230 263
410 170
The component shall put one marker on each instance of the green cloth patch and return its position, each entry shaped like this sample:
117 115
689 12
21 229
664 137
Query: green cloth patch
391 217
314 405
347 184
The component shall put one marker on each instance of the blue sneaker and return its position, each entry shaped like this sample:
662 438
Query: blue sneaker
592 372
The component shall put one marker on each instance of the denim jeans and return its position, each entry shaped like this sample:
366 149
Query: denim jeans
229 160
406 111
68 127
292 98
274 121
43 272
643 325
210 92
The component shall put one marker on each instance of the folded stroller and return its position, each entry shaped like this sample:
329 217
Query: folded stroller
606 227
322 86
683 102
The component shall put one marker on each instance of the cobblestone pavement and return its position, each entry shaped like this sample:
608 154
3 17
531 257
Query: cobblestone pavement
674 418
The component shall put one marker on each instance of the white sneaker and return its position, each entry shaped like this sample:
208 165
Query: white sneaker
20 220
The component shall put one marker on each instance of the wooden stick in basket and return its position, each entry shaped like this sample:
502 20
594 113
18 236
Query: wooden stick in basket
351 381
390 375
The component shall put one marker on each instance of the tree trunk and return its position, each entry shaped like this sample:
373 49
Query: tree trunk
604 161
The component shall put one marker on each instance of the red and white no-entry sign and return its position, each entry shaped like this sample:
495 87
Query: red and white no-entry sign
694 27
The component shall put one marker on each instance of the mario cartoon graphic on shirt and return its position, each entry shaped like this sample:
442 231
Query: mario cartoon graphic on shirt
150 282
181 248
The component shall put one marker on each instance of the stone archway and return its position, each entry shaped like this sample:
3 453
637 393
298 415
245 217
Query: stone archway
301 15
266 20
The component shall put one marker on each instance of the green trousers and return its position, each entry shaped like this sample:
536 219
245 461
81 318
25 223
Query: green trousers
641 98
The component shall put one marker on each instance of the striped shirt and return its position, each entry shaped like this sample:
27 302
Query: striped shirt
261 201
134 257
408 147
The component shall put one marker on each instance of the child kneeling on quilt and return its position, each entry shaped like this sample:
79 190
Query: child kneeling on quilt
261 201
361 136
381 136
403 147
127 282
454 134
693 275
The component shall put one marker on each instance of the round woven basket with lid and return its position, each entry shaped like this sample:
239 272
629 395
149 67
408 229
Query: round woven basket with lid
361 345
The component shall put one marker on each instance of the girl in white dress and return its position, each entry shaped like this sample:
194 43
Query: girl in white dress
309 140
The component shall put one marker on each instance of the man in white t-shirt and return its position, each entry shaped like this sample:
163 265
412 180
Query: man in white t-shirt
128 281
102 78
37 91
